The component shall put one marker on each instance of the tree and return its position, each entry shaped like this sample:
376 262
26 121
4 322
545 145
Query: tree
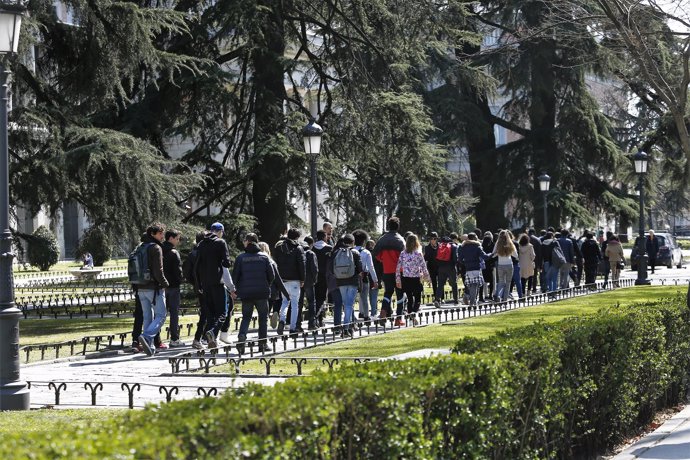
43 248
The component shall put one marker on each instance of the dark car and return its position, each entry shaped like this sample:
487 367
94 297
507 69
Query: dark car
669 252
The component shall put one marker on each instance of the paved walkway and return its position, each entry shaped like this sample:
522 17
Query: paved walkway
670 441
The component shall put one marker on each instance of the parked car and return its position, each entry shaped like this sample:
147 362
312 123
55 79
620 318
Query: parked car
669 252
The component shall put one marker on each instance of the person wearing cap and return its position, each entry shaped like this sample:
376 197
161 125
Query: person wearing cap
214 279
430 258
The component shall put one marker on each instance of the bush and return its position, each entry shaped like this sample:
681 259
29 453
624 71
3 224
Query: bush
96 242
544 391
44 251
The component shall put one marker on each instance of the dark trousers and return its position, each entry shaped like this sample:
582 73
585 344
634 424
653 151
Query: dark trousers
412 287
320 294
307 292
172 301
248 306
215 298
591 273
139 323
447 273
652 263
433 274
203 317
389 288
228 315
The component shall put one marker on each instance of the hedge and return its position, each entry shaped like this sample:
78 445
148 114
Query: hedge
544 391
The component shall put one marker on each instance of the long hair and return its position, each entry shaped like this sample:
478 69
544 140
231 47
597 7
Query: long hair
504 245
412 244
265 248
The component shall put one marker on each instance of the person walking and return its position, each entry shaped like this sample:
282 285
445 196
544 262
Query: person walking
652 247
323 253
550 269
387 250
505 251
308 293
591 255
291 260
430 258
253 275
607 263
189 269
409 273
527 256
347 269
538 260
487 291
569 253
614 251
172 268
151 292
473 257
447 260
277 287
213 270
369 277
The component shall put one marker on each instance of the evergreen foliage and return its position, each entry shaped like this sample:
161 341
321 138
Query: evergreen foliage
43 249
97 243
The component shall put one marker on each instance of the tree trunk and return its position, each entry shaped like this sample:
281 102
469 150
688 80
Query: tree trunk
271 176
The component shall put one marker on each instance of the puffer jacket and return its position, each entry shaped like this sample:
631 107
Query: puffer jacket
291 261
470 255
253 274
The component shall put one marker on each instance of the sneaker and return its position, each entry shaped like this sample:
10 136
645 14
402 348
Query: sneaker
437 304
274 319
136 348
211 339
399 322
294 333
162 346
197 345
281 328
263 348
145 346
224 337
177 343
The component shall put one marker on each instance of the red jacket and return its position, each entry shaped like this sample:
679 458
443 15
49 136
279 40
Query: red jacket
389 259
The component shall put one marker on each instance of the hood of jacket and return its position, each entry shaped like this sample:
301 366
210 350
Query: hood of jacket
470 243
252 248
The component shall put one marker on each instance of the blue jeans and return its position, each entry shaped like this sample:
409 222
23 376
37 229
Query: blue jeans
551 277
153 308
504 273
373 299
516 280
349 294
293 288
337 306
564 274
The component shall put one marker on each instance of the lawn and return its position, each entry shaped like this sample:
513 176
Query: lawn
51 420
446 335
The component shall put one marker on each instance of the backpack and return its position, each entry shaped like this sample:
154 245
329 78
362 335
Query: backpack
138 269
443 252
557 257
344 264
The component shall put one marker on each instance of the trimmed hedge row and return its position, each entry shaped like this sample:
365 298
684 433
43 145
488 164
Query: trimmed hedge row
545 391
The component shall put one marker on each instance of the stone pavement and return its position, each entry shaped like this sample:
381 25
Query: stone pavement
670 441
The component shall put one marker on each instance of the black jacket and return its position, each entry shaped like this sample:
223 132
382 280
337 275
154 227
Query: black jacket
172 265
430 257
312 268
536 244
652 247
590 252
253 274
322 252
212 256
291 261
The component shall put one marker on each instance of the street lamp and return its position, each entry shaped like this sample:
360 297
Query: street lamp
311 135
544 184
641 160
14 394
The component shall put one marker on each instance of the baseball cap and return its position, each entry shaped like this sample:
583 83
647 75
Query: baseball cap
217 227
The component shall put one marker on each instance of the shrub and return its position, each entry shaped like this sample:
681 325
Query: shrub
44 251
96 242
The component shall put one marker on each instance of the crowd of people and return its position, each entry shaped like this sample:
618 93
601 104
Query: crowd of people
317 272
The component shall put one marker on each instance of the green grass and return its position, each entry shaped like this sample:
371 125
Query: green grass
446 335
50 420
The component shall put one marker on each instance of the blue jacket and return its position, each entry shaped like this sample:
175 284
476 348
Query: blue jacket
567 248
470 254
253 274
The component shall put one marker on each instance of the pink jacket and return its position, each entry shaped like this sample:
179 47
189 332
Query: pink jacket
411 265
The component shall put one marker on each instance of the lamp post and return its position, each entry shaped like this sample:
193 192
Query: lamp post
311 135
641 160
14 394
544 184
